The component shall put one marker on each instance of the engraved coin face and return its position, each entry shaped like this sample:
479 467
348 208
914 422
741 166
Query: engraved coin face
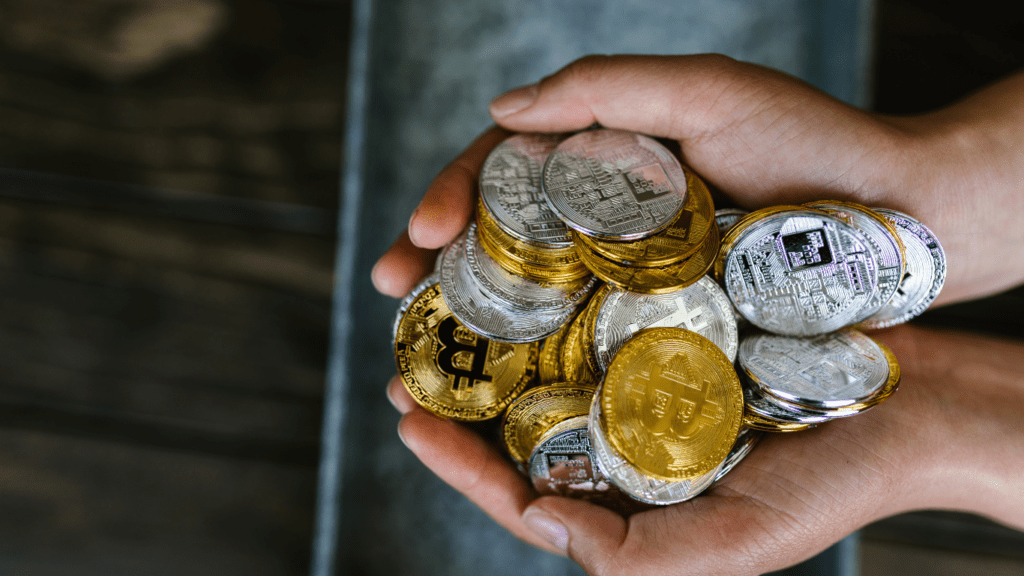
632 481
726 218
672 403
563 464
418 289
829 371
536 411
702 308
800 272
614 185
924 276
453 372
891 261
477 310
510 189
518 292
681 239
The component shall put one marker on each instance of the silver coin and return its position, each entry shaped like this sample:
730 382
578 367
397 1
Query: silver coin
701 307
726 218
484 315
801 273
745 442
631 481
614 185
518 292
823 372
890 254
924 277
418 289
771 409
564 464
510 188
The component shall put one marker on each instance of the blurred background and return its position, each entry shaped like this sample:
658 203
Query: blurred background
169 199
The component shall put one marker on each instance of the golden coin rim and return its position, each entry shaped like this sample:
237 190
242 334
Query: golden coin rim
556 395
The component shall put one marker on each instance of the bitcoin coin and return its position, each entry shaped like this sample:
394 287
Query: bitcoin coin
701 307
522 251
453 372
549 367
510 190
924 276
800 272
475 309
726 218
563 464
891 253
736 230
614 185
657 280
575 364
418 289
536 411
672 403
677 242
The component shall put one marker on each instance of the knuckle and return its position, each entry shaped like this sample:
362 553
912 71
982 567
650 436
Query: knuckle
586 70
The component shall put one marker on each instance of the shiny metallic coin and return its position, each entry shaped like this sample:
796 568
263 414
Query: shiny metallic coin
510 188
513 248
800 272
726 218
536 411
924 277
891 253
614 185
564 464
453 372
702 308
823 372
418 289
474 308
770 408
518 292
578 360
549 367
758 423
632 481
745 442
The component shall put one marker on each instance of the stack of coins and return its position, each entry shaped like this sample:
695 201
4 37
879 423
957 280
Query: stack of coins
793 384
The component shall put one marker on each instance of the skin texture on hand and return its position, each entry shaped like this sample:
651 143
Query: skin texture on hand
949 438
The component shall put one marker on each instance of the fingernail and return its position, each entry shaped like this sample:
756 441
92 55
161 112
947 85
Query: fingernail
548 528
400 437
411 228
403 407
375 279
513 101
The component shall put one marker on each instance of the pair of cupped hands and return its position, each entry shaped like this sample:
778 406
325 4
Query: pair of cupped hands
952 437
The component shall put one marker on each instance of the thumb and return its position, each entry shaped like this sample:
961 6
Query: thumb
589 534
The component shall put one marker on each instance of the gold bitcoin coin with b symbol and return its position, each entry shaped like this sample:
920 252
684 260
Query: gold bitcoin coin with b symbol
672 404
453 372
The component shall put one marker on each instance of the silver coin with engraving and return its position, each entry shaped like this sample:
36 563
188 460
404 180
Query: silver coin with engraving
563 463
924 277
631 481
824 372
430 280
801 272
891 263
745 442
516 291
614 185
701 307
472 306
726 218
511 190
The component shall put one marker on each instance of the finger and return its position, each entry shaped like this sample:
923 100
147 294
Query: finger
589 534
465 462
401 267
448 204
399 396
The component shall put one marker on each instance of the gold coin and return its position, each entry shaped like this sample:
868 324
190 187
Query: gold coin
549 367
681 239
521 249
574 273
589 325
658 280
538 410
453 372
737 230
757 422
574 363
672 404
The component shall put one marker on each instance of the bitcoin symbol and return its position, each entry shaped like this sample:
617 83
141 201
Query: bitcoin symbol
677 401
450 346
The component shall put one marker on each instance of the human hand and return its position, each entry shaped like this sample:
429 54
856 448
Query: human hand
949 438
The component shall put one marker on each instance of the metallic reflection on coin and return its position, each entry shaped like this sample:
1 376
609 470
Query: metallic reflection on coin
614 185
536 411
478 311
702 308
511 190
745 442
726 218
549 367
799 272
453 372
418 289
924 277
829 371
563 464
633 482
518 292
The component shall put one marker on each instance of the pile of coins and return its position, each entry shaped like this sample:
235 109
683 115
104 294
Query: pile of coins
578 304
